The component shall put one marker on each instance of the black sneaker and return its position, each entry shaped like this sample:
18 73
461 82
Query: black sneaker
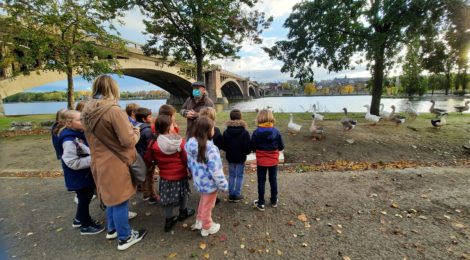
134 238
274 204
185 213
260 207
169 223
111 234
76 223
91 230
235 198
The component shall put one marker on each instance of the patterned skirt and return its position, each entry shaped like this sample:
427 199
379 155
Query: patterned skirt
172 192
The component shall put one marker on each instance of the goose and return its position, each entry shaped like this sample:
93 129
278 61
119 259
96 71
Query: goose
438 123
462 108
293 127
369 117
398 119
384 114
347 123
436 111
317 131
412 112
318 117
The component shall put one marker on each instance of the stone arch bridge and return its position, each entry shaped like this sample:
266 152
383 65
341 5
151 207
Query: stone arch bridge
176 79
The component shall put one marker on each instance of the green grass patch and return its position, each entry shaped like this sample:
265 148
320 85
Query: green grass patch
6 121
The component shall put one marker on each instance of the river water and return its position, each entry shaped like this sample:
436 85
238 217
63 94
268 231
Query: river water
277 104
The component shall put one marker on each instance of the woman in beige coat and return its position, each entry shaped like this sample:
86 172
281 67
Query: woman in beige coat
112 142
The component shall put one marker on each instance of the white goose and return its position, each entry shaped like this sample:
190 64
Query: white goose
372 118
384 114
317 131
293 127
318 117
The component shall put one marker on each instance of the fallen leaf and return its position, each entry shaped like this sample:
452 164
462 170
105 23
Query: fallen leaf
394 205
423 217
242 246
172 255
458 210
267 250
340 226
223 238
458 225
346 258
307 225
29 234
295 235
304 244
58 217
383 212
279 252
302 217
447 217
185 225
59 229
424 196
398 215
206 256
202 245
193 255
290 223
225 252
317 219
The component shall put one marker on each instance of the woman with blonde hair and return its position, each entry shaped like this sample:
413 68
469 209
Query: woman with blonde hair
112 141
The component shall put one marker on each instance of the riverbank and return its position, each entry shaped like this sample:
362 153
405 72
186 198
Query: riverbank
387 214
414 143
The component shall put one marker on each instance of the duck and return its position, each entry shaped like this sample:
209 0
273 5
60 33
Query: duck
293 127
463 108
372 118
397 119
412 112
438 123
317 131
384 114
318 117
437 111
347 123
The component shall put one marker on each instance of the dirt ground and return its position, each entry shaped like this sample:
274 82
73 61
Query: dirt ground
390 214
384 143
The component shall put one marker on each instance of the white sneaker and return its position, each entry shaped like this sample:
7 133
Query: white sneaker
212 230
75 199
197 225
132 215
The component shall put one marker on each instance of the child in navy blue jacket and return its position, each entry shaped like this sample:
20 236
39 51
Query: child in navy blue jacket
267 142
236 140
76 160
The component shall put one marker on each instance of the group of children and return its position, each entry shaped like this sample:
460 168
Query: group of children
177 160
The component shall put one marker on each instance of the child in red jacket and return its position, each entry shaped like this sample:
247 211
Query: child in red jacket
167 152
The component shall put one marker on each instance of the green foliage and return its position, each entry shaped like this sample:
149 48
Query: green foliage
62 96
67 36
412 82
330 33
198 29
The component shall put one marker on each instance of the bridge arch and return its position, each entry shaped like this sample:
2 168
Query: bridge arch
231 89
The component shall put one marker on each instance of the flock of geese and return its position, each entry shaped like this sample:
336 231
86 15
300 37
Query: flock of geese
318 132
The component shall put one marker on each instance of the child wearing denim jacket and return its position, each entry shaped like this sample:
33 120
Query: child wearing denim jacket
75 156
205 165
267 142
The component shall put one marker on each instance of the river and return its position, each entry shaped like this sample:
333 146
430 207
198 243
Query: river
278 104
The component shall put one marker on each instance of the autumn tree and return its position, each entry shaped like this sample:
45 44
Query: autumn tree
189 30
310 89
66 36
330 33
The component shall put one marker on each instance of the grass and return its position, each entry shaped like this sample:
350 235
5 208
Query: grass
5 122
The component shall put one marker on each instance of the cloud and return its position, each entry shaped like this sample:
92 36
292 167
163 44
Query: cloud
276 8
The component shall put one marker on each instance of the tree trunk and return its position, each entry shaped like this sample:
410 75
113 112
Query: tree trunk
447 83
199 60
70 100
378 81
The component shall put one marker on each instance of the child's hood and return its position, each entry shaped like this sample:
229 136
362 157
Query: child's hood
169 144
68 133
267 132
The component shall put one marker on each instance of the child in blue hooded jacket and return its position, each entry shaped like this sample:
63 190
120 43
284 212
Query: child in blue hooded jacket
205 165
75 157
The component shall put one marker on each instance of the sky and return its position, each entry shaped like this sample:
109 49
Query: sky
254 62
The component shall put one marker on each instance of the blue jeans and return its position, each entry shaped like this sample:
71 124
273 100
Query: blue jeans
117 218
235 181
262 183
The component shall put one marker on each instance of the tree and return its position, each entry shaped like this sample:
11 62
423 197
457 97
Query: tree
197 29
411 79
310 89
66 36
329 33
